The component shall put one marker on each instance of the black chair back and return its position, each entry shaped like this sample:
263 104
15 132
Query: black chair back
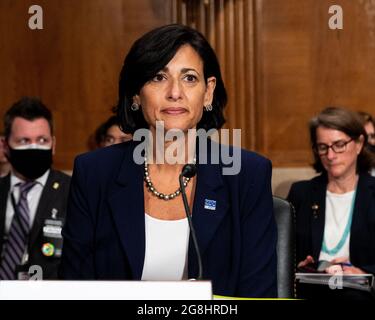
284 215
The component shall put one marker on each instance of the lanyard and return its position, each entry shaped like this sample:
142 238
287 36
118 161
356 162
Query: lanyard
345 234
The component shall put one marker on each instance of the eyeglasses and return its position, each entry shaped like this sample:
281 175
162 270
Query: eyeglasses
337 147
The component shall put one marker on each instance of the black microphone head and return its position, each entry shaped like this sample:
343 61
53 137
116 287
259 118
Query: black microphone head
189 170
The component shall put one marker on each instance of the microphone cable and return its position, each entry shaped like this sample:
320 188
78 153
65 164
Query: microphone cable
189 171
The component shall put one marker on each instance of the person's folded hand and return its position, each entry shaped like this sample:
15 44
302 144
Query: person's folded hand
303 263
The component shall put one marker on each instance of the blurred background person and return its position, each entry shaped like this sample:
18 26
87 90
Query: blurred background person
369 125
335 212
33 197
108 133
111 133
4 163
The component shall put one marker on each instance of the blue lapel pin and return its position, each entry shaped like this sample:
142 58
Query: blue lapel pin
209 204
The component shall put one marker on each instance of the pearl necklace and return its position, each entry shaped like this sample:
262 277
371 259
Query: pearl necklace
160 195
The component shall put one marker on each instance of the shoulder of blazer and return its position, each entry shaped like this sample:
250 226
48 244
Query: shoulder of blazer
246 167
306 185
250 160
60 176
5 182
105 158
303 192
366 183
254 168
368 179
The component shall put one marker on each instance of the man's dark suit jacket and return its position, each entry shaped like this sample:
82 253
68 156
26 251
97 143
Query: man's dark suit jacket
305 195
104 234
54 196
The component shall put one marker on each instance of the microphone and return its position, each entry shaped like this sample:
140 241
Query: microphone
189 171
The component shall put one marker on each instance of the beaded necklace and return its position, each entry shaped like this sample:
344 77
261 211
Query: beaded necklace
160 195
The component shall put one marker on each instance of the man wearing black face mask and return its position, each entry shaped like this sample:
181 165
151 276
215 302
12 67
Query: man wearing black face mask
33 197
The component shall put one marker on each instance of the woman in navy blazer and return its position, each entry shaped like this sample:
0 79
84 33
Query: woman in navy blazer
171 74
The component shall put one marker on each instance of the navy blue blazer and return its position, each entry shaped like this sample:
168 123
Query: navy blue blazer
104 234
304 195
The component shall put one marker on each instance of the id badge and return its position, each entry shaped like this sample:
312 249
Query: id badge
52 238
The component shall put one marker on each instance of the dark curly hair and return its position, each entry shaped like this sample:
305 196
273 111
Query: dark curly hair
150 54
101 132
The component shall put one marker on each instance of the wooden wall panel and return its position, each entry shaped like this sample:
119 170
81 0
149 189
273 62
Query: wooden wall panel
73 64
282 65
304 66
228 25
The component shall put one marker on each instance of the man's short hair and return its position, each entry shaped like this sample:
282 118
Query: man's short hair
29 108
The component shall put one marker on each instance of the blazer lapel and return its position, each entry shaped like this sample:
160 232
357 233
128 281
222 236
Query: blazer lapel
126 201
318 214
4 189
48 196
364 193
206 215
127 206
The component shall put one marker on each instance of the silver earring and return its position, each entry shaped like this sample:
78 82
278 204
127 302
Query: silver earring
208 107
134 106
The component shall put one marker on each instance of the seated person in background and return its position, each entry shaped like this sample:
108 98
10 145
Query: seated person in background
33 197
4 163
109 133
335 212
369 125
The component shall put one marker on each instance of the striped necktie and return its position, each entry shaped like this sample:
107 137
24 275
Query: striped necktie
16 245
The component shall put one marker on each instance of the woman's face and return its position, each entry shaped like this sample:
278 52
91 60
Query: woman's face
178 93
338 165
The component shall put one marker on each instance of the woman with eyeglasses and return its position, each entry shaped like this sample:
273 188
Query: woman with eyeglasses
335 211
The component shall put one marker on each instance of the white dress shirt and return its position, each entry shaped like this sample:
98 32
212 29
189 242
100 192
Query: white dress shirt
33 198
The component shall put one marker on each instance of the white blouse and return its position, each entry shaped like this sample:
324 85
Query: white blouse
338 211
167 243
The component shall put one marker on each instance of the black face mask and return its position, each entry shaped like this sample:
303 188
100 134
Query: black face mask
31 163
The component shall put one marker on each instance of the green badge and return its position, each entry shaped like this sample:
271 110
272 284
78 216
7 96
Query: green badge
48 249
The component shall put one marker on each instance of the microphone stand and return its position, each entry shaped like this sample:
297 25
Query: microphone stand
190 172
